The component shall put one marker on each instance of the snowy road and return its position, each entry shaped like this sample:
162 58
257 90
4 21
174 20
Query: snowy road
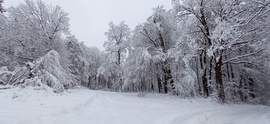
97 107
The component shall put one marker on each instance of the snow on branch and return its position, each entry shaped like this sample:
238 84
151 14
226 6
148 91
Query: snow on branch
241 56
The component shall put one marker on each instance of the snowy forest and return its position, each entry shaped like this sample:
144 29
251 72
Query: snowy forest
218 49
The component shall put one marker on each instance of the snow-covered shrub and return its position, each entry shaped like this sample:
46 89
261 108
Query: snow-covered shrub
13 65
46 72
4 58
252 87
18 76
5 75
185 82
232 92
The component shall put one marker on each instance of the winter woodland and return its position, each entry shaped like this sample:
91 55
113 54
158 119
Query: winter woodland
218 49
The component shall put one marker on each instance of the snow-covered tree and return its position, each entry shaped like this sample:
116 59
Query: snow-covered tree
227 32
116 44
116 48
36 28
95 58
138 72
73 60
155 37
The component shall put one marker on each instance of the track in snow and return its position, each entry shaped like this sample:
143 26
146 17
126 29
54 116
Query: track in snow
97 107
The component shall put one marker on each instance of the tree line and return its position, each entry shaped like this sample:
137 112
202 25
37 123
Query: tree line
200 48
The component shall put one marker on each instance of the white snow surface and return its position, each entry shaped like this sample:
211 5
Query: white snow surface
83 106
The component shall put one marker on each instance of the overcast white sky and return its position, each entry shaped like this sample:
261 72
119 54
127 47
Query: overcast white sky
90 18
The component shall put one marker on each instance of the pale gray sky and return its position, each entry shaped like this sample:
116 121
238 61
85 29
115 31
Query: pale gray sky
90 18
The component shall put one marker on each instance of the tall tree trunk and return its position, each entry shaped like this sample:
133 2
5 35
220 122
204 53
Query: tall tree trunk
159 84
207 42
232 74
228 70
168 80
119 57
199 88
204 76
219 81
210 76
210 71
205 84
240 88
152 86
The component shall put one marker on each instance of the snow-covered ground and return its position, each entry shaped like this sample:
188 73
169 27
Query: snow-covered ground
83 106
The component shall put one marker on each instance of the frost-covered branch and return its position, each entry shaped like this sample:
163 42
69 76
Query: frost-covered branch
241 56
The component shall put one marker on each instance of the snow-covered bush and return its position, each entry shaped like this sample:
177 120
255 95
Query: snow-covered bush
46 72
185 81
18 76
5 75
